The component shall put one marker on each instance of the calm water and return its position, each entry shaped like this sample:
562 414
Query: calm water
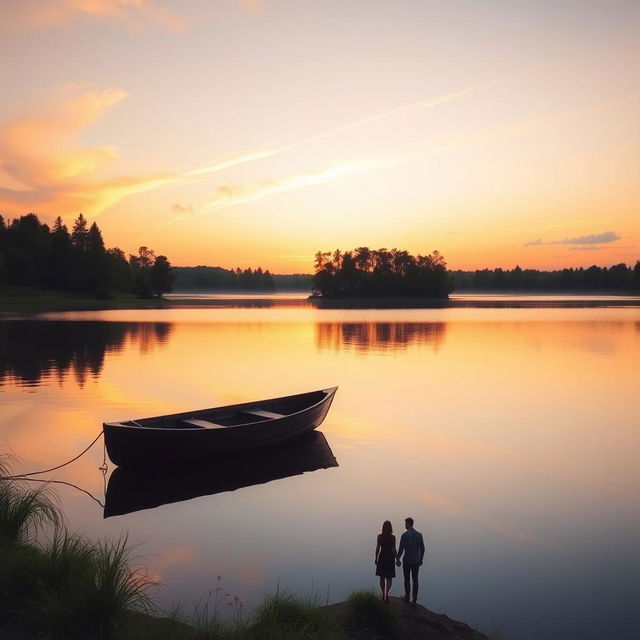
509 434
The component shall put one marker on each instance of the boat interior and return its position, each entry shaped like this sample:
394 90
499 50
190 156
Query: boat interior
232 416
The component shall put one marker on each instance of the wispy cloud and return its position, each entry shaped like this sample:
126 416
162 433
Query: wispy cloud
39 150
591 239
228 195
181 208
412 107
40 157
252 7
49 14
46 168
54 13
236 160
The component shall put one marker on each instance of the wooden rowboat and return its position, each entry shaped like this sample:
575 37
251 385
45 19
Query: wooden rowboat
133 489
193 435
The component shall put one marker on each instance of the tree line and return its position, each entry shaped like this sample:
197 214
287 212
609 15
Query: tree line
204 278
34 256
617 278
364 272
219 279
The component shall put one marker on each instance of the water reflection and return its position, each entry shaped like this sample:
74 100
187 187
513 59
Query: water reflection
133 490
381 336
33 350
513 442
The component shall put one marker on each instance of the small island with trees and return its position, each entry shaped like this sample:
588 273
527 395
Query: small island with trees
39 262
380 273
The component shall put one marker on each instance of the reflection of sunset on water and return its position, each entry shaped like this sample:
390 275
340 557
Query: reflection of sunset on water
34 352
379 336
509 434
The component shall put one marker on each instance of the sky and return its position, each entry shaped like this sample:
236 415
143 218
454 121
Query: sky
258 132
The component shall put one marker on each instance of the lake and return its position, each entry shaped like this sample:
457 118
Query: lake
508 431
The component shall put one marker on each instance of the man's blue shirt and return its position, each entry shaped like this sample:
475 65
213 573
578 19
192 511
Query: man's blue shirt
412 544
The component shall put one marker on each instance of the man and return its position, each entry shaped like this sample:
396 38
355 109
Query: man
412 545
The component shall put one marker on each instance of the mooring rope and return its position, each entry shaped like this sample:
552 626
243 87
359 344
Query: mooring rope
68 484
103 468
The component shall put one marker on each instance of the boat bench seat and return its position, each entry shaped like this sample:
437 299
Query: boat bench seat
206 424
264 414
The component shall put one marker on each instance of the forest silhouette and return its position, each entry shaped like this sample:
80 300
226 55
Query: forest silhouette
219 279
364 273
36 257
618 278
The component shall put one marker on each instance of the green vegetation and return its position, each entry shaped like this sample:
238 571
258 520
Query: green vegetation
289 617
36 258
363 273
366 612
69 587
616 279
219 279
24 512
366 273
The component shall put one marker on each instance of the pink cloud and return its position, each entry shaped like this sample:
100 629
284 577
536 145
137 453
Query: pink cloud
47 171
54 13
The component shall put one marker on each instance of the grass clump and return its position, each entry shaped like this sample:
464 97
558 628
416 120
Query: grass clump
365 612
68 586
24 511
289 617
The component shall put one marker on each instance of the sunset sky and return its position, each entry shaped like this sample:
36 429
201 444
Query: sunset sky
257 132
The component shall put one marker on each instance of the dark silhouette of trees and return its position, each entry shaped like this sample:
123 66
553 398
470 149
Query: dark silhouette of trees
24 247
366 273
162 276
59 276
119 277
151 275
618 278
218 279
35 257
141 272
80 234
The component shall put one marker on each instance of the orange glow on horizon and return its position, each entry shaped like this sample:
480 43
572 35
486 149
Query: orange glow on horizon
509 153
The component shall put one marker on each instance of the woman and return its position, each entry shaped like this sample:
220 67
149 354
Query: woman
385 559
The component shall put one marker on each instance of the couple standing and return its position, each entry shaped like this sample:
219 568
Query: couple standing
412 546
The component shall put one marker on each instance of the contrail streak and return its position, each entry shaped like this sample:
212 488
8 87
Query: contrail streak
237 160
421 105
231 195
412 107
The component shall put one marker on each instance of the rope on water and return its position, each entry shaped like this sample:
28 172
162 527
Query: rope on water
68 484
64 464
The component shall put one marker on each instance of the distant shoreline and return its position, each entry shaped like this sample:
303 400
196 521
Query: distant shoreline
481 300
69 303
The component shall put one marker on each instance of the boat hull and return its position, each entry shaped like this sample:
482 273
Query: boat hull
130 444
133 489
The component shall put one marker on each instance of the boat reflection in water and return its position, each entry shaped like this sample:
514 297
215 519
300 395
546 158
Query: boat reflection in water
137 489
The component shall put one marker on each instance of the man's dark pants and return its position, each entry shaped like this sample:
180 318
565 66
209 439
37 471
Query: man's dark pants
410 571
